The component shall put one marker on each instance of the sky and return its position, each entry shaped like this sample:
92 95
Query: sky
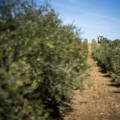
94 17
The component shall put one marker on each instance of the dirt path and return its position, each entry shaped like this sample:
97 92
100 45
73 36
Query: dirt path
101 101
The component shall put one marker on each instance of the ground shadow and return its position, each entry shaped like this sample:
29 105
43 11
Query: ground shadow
114 85
112 80
116 92
108 76
102 70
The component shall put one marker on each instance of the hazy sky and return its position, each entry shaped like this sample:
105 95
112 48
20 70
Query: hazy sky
94 17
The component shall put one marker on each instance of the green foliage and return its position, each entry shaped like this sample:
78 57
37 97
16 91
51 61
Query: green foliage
108 55
94 47
85 45
39 61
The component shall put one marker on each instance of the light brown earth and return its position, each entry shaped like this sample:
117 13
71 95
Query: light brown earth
101 101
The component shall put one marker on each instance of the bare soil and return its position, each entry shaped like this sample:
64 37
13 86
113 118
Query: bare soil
100 101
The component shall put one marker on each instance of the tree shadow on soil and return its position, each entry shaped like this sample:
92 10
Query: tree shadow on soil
118 92
107 76
114 85
102 70
112 80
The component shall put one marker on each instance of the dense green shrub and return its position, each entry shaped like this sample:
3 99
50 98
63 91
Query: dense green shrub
108 55
39 61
